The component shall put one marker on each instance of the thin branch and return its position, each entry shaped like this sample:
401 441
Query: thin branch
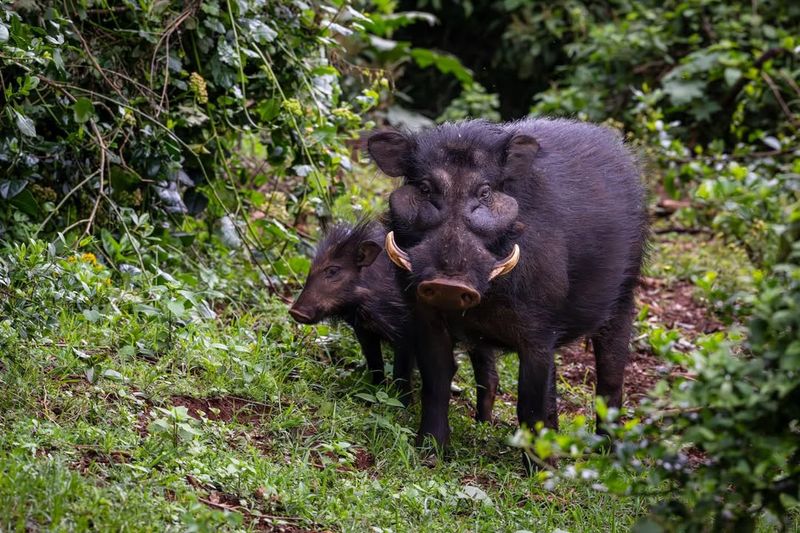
171 28
781 102
687 231
92 58
61 203
742 81
792 83
102 170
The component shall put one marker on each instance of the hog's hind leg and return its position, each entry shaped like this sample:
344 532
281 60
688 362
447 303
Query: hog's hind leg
611 352
537 391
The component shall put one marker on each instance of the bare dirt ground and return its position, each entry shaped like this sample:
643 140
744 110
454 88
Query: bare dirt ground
672 306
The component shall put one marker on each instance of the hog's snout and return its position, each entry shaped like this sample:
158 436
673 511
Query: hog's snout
301 315
448 294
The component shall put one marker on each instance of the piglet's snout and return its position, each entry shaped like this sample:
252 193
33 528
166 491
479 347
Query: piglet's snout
301 316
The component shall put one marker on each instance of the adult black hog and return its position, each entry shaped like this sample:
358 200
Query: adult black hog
351 279
471 274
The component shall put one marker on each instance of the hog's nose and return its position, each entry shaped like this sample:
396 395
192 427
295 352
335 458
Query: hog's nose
301 316
448 294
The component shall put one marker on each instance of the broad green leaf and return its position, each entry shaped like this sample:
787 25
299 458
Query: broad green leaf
366 397
732 75
112 375
176 308
92 315
25 124
127 351
10 188
394 402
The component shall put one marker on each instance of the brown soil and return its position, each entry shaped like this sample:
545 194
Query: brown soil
364 460
674 306
224 408
671 305
90 456
258 519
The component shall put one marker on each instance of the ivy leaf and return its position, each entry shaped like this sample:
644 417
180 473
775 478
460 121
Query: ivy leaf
10 188
176 308
25 124
732 75
681 92
92 315
772 142
83 110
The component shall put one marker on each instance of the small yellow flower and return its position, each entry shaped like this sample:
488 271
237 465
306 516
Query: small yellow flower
89 257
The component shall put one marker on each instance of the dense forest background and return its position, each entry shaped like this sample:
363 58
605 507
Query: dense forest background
166 167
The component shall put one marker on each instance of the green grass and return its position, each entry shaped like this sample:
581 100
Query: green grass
94 364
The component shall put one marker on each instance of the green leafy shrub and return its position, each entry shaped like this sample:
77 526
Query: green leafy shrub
718 448
227 109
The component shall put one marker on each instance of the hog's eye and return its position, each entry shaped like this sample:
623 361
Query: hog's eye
484 193
425 188
332 271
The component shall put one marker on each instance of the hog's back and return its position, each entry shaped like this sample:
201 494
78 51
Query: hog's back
583 204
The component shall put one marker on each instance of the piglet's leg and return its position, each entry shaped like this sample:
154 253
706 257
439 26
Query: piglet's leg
371 347
483 365
403 367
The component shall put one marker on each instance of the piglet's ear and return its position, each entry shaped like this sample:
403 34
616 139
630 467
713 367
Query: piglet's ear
390 150
367 252
520 153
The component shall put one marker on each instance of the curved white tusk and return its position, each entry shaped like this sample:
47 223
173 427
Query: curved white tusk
506 265
396 254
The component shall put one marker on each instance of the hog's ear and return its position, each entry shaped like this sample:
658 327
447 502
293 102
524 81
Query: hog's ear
389 149
367 252
520 153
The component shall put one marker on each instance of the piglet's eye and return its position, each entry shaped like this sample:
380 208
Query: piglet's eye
331 271
485 192
425 188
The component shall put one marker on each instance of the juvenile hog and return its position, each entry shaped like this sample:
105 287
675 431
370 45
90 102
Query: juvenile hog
351 279
576 189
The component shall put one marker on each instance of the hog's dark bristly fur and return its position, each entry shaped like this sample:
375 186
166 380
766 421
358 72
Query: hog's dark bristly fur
569 194
351 279
374 301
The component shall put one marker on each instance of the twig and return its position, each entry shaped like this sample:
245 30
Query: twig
92 58
742 81
247 512
61 203
792 83
171 28
102 170
103 11
781 102
688 231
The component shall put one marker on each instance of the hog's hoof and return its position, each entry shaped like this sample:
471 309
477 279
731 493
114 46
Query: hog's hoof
430 460
431 443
